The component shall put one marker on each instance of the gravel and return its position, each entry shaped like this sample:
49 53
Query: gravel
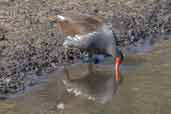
31 46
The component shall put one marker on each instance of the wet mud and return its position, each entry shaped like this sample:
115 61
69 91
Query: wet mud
146 89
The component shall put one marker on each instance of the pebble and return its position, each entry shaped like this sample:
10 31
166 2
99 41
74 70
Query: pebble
77 92
69 90
61 106
91 98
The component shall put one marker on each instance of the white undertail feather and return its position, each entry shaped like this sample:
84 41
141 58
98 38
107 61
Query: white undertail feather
61 17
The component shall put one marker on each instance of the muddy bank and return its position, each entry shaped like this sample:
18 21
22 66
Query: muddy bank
30 46
146 89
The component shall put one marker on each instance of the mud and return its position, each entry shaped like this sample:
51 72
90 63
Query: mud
30 45
146 89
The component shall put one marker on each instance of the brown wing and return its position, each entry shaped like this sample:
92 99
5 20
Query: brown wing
79 24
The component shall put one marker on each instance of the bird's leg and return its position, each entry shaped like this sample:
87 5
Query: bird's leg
66 72
90 64
65 65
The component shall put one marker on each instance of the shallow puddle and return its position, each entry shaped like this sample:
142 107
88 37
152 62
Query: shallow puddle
146 89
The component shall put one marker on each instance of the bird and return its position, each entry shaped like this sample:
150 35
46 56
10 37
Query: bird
90 34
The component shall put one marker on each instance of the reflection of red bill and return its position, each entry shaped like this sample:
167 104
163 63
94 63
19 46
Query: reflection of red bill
116 70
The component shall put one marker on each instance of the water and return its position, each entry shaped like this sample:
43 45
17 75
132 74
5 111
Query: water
146 89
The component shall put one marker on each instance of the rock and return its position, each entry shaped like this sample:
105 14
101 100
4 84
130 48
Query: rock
61 106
